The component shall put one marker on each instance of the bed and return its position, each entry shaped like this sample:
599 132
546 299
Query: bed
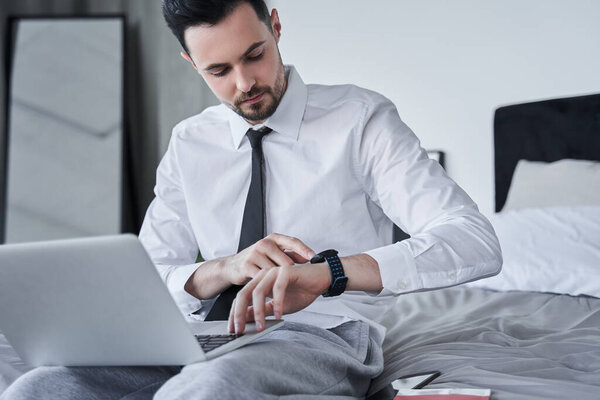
532 332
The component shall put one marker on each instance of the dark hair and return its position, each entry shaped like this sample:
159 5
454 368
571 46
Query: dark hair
183 14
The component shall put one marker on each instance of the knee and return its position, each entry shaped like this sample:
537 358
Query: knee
38 383
200 381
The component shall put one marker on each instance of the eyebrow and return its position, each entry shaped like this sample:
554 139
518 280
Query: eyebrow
248 51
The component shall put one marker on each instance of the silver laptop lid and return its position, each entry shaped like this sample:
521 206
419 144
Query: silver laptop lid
92 301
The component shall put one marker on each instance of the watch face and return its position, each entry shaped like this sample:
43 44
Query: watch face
317 259
328 253
321 256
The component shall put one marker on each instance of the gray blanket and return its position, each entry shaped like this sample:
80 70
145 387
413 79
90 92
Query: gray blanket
522 345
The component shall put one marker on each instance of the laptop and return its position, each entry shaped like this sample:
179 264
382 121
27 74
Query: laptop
100 301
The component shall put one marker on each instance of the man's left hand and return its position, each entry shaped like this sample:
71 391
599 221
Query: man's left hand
291 289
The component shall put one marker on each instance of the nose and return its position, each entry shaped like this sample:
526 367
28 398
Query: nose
244 80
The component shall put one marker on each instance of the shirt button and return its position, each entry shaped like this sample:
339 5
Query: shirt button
401 285
452 275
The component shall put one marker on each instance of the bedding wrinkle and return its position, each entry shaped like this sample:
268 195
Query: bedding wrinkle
591 320
522 345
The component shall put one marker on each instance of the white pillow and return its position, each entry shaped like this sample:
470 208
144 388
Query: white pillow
553 249
561 183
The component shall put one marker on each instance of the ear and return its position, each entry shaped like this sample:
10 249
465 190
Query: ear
187 57
276 25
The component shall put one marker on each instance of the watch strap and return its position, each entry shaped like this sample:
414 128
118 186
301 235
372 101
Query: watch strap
338 279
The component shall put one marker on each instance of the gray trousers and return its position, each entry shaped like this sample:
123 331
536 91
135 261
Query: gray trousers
297 361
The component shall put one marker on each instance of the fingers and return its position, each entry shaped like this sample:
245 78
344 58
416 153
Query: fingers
258 262
268 311
279 289
266 254
259 296
274 250
273 283
230 320
239 307
274 253
292 243
263 261
297 258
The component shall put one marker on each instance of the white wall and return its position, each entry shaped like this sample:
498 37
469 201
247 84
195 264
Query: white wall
447 65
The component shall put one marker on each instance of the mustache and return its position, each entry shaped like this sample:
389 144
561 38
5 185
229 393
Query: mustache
252 93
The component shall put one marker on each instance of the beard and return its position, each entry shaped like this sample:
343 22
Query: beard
266 107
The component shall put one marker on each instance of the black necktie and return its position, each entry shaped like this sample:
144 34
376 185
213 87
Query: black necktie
253 223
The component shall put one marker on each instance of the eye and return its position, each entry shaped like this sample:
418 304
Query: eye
255 57
220 73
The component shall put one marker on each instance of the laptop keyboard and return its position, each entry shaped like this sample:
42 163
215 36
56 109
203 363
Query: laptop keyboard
211 342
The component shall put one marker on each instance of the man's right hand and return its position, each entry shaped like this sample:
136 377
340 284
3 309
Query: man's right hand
273 251
214 276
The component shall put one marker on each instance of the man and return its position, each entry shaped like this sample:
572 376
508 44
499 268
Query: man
336 167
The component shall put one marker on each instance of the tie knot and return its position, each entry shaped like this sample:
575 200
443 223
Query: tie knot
255 136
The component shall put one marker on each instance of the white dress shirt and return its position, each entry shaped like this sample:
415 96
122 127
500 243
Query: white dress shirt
340 169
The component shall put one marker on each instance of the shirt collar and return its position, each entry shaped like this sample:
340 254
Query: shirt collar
286 119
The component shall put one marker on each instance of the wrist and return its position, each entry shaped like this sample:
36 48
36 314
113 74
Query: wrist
324 276
338 279
222 271
196 283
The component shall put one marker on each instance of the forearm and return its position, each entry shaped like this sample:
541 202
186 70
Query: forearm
208 280
363 273
361 269
214 276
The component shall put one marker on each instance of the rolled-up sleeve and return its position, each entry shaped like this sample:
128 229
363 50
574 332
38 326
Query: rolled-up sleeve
167 235
451 241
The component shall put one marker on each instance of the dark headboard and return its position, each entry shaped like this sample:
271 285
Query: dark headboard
548 131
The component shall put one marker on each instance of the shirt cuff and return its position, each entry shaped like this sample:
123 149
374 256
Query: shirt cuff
176 281
397 268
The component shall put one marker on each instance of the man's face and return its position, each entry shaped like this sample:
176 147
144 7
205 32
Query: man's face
239 60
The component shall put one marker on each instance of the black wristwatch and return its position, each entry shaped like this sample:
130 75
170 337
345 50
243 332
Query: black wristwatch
338 280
